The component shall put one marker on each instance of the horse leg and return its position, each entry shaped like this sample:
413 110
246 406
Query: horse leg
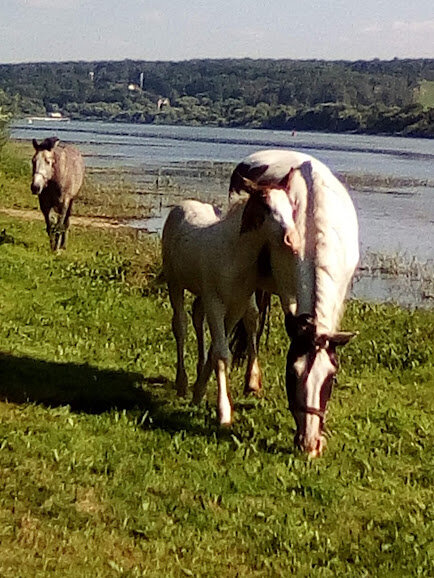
55 236
63 218
220 328
45 209
199 327
253 377
199 388
224 402
218 359
65 226
179 327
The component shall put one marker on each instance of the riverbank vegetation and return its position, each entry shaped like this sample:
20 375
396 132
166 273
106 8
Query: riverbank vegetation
375 97
105 472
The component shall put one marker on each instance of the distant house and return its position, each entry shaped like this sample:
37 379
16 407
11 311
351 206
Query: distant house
162 102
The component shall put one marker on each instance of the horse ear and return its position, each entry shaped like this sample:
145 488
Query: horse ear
299 325
35 144
253 214
341 338
248 185
52 142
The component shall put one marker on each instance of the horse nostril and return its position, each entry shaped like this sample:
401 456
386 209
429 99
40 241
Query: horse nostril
290 240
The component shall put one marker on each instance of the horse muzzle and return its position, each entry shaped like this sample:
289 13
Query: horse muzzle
36 189
291 239
313 447
39 182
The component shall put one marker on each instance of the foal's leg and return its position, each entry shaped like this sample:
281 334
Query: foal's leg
253 377
199 388
218 359
199 326
220 328
179 327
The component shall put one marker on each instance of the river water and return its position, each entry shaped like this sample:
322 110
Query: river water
393 194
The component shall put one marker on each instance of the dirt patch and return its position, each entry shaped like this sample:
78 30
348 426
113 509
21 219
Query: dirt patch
96 222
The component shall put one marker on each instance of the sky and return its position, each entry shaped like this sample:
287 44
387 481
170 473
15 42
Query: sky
63 30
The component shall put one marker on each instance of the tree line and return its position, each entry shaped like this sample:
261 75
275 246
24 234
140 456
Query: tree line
363 96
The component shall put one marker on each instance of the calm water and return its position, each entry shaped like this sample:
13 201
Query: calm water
394 218
137 145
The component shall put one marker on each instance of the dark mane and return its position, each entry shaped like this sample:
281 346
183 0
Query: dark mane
46 145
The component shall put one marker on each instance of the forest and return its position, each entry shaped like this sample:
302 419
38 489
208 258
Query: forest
376 97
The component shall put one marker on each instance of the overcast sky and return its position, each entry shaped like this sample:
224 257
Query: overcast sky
59 30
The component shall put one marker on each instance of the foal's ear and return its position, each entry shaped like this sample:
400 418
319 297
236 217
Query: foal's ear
248 185
253 214
35 144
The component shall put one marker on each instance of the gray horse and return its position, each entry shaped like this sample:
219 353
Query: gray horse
58 173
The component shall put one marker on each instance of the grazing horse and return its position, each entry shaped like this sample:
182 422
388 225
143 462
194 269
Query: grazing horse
215 259
312 286
58 173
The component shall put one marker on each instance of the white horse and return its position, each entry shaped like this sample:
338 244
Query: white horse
58 173
312 286
215 259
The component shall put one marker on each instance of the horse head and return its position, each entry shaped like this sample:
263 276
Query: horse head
43 164
272 203
311 366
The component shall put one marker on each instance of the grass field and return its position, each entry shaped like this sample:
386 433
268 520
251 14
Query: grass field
104 472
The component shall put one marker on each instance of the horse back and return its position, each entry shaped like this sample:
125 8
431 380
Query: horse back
68 170
184 242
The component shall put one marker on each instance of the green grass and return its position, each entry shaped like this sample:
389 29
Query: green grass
426 93
105 472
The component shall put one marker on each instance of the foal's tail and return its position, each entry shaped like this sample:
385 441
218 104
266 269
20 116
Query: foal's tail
238 341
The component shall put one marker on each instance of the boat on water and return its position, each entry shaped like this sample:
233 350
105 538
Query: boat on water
51 117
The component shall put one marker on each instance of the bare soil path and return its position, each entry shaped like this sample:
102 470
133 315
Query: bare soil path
95 221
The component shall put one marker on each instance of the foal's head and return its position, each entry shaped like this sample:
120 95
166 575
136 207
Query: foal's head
43 164
271 207
311 366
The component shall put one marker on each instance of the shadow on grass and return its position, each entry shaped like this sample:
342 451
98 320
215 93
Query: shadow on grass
82 387
89 389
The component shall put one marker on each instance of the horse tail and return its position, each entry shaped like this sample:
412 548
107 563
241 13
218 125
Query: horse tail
238 342
263 300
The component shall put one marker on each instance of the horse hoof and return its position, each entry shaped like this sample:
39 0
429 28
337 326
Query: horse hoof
181 390
225 426
256 391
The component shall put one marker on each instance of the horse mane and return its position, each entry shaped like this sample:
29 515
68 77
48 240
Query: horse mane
253 212
46 145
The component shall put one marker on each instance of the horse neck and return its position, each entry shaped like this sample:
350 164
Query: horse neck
243 248
318 290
